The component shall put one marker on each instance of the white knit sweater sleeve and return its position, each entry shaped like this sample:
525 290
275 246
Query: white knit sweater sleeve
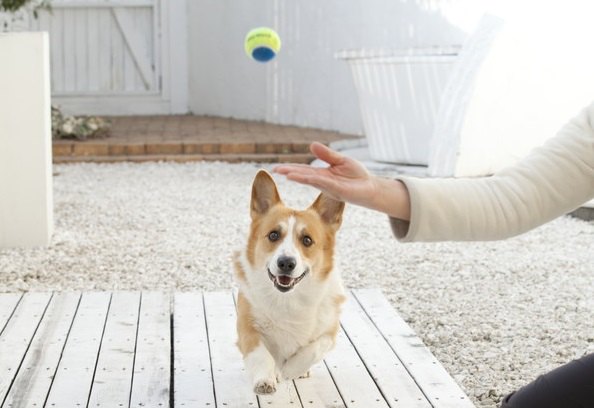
551 181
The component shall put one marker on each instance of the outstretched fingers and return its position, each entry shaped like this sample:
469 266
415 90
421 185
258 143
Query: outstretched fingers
317 180
326 154
287 168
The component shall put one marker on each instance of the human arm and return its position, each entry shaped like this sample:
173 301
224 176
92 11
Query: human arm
551 181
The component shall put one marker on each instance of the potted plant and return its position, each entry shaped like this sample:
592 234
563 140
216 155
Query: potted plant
13 12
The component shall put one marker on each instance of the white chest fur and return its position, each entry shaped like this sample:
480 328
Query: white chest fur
290 321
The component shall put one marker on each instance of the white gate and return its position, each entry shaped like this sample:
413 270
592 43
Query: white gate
117 56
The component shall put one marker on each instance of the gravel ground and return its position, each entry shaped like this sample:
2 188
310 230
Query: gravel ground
496 314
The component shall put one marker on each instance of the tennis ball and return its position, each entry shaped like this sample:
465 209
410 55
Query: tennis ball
262 44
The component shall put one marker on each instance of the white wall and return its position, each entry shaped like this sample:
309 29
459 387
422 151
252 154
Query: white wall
530 80
306 85
26 206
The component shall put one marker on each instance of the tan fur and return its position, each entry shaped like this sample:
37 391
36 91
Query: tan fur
260 228
239 272
320 234
248 336
338 301
258 245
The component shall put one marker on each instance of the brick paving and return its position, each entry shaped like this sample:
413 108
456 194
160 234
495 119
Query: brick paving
193 138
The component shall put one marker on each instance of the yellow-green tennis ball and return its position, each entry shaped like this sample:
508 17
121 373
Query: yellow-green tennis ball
262 44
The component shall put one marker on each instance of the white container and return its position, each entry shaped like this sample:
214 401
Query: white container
399 94
26 204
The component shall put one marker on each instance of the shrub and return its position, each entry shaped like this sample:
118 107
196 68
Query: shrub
15 14
77 127
12 6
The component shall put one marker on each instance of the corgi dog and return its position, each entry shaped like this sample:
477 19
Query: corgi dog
290 293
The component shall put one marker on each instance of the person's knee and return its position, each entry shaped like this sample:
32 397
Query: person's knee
506 402
567 386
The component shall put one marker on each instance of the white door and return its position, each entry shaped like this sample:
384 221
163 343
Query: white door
117 57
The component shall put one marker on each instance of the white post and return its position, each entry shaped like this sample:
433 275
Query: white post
26 202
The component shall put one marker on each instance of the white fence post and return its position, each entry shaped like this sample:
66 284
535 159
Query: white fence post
26 203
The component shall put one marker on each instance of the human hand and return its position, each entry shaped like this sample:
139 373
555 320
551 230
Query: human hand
347 179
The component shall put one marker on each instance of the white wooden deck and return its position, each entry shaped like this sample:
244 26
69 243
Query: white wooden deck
152 349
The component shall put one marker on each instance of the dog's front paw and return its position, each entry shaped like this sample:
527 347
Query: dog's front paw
295 369
306 375
265 386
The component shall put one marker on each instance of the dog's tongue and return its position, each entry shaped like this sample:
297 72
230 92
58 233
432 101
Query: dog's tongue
284 280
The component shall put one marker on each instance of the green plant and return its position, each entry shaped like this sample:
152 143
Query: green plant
12 6
77 127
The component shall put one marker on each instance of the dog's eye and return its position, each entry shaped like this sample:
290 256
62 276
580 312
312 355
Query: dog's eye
307 241
274 236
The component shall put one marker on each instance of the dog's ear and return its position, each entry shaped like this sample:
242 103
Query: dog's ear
329 209
264 194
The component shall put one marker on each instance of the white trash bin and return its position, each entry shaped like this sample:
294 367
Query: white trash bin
399 94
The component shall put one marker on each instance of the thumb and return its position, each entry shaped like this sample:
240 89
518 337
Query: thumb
326 154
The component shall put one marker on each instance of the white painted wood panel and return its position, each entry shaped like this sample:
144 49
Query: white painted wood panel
319 390
192 376
38 368
17 336
397 386
68 52
438 386
8 302
152 366
72 383
115 364
357 388
102 42
232 386
103 51
112 350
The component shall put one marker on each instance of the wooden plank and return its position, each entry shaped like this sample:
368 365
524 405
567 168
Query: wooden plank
115 364
34 379
438 386
352 379
8 303
74 376
94 35
103 45
233 388
129 66
319 390
397 386
285 396
17 336
116 52
152 366
56 22
69 50
81 47
192 375
160 49
134 41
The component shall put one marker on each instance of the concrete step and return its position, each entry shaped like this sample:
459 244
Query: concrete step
183 158
107 147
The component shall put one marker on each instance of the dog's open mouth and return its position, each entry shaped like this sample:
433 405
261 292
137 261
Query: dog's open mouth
285 283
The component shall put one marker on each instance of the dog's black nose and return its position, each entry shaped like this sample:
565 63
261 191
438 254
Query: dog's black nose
286 263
